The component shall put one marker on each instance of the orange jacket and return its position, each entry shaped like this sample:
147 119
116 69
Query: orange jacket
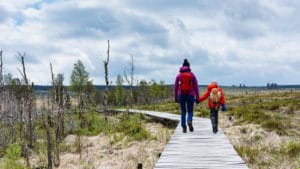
207 93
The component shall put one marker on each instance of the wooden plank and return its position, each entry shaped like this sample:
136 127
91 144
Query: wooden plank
199 149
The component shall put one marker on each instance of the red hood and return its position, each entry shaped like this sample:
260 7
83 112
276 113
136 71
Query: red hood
211 86
184 69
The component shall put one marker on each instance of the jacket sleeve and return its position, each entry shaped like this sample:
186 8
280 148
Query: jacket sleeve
222 99
195 86
204 95
176 86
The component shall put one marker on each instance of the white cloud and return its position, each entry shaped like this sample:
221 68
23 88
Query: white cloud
251 42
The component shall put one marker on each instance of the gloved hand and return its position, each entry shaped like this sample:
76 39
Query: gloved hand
223 107
176 100
197 101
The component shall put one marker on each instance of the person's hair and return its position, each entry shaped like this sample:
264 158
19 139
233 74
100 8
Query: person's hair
186 63
214 82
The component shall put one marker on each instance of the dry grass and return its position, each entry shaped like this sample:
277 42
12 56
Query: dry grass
266 136
265 129
262 143
125 154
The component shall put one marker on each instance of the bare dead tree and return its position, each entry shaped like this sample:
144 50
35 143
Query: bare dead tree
1 69
48 134
21 97
2 102
23 72
56 126
60 102
106 79
14 107
1 84
105 106
57 100
130 80
68 106
30 120
4 113
28 99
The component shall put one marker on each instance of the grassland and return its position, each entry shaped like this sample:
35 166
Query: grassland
119 140
263 126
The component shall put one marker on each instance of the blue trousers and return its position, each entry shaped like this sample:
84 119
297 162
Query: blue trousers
186 105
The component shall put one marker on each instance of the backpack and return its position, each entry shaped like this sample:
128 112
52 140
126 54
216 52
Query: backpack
185 82
215 95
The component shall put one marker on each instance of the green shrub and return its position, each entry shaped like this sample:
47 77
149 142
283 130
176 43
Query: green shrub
93 124
249 114
171 107
203 113
275 124
247 151
64 147
291 109
239 111
132 127
5 138
253 116
243 130
298 163
117 138
256 138
274 106
292 149
13 154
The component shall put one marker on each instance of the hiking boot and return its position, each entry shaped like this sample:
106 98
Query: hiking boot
190 124
215 129
184 129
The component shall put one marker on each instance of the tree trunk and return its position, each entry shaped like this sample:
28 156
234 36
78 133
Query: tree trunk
1 85
131 80
105 106
49 144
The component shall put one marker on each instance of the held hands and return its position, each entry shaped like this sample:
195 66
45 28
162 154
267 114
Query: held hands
223 107
197 101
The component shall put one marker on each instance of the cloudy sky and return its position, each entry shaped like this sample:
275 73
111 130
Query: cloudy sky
252 42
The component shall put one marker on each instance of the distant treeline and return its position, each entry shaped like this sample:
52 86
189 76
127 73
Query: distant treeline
102 87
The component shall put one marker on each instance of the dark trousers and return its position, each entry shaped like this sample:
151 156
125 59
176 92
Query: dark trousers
214 117
186 105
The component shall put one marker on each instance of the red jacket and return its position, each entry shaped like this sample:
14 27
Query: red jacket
207 93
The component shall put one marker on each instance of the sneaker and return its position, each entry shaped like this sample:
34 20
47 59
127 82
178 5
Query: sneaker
190 124
184 129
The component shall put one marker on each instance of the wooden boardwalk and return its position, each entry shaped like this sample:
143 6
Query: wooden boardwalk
199 149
